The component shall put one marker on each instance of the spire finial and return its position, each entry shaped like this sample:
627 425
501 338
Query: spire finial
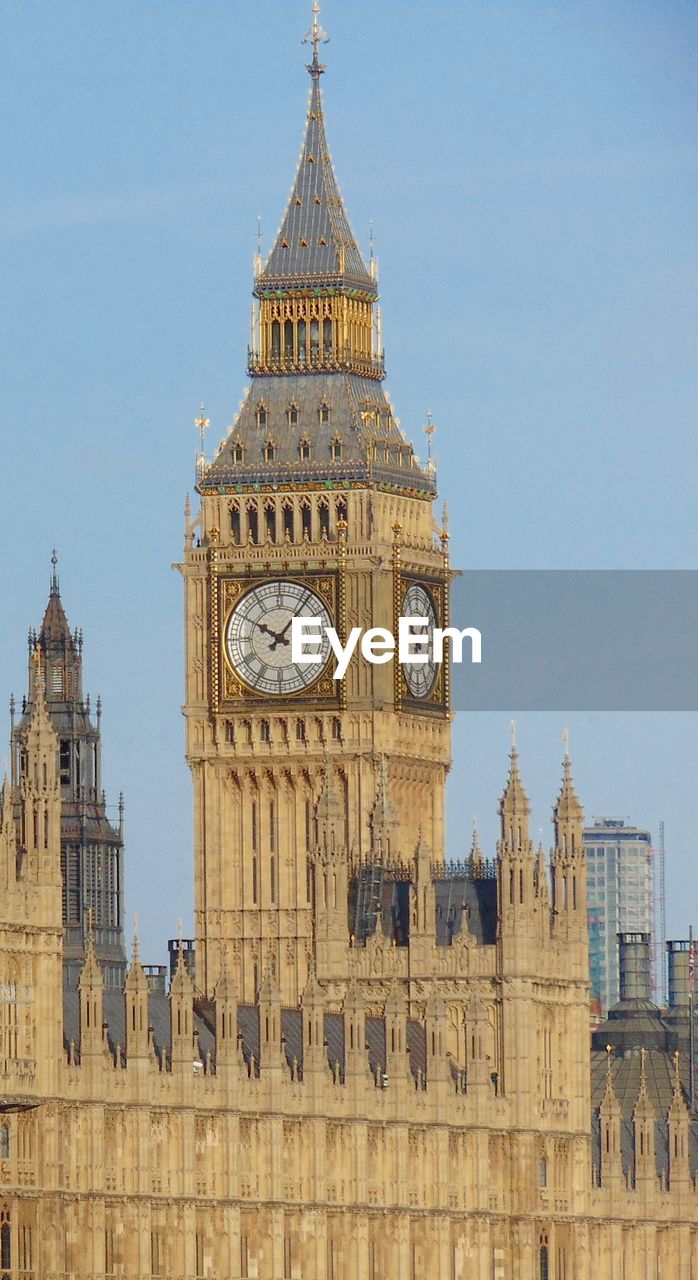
429 430
512 730
316 36
566 745
54 573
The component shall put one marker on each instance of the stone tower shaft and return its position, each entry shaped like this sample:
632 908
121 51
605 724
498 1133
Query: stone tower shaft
316 490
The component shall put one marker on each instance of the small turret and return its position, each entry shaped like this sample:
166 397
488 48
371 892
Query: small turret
383 818
568 815
397 1062
269 1000
329 817
514 808
436 1027
355 1056
39 797
517 864
644 1127
610 1117
679 1132
225 997
313 1015
136 999
182 1014
91 988
569 860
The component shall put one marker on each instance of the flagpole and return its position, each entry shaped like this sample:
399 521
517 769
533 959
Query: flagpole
691 1001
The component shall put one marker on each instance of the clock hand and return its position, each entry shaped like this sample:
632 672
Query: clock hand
278 637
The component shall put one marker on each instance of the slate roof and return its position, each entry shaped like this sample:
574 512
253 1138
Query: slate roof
315 240
360 417
476 900
248 1031
626 1070
54 628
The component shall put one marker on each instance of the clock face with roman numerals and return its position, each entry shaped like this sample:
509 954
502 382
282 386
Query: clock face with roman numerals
258 638
420 676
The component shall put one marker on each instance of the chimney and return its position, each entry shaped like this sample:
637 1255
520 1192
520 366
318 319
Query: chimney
634 966
157 978
678 956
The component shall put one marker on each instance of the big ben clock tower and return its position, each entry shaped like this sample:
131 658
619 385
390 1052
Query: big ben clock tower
315 505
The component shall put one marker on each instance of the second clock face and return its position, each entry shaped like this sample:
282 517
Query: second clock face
420 676
258 637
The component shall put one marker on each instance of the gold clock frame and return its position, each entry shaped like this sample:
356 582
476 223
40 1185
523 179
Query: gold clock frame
227 590
438 698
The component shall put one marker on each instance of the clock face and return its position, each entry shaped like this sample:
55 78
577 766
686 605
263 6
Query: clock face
420 676
258 637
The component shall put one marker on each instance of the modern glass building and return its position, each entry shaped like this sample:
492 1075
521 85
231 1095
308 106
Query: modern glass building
620 861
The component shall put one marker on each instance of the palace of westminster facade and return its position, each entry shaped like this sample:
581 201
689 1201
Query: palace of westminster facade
373 1062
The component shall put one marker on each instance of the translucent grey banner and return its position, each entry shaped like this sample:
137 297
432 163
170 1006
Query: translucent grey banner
578 640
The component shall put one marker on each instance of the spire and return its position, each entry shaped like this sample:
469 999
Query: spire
383 819
568 815
91 973
316 408
514 806
54 628
643 1105
315 243
567 807
329 813
476 854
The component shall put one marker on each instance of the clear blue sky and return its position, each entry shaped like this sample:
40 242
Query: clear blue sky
530 168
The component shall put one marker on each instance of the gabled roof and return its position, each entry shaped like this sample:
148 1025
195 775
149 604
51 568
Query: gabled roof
315 242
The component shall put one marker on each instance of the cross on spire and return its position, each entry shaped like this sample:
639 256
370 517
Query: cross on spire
316 36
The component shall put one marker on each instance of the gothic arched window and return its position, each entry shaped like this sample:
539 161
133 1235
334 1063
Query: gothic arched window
4 1142
275 340
270 521
5 1242
253 522
287 510
288 339
544 1257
